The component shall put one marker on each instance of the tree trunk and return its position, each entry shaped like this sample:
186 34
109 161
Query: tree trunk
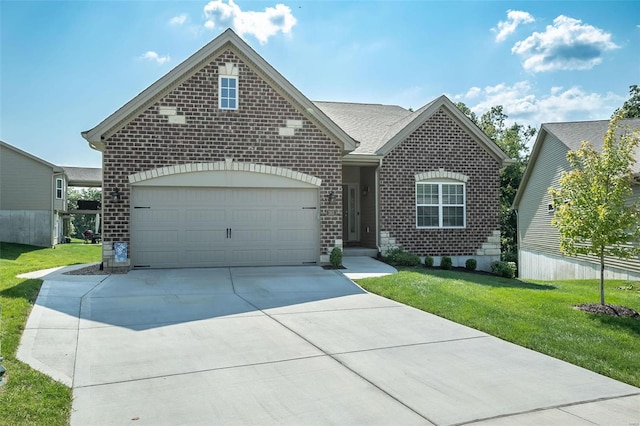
602 276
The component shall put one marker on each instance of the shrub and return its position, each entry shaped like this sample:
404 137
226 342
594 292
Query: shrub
471 264
503 269
446 263
428 261
399 257
335 258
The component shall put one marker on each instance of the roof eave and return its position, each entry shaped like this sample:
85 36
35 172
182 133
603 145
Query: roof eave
527 171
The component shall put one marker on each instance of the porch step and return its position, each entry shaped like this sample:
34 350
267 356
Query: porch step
360 251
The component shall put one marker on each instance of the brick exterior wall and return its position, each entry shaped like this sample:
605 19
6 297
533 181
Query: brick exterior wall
249 134
439 143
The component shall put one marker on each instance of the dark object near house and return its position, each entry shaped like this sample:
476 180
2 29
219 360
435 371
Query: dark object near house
88 205
89 236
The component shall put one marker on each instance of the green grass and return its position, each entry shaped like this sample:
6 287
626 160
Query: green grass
537 315
30 397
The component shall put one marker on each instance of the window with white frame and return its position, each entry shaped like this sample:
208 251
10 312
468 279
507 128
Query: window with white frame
59 188
440 205
228 92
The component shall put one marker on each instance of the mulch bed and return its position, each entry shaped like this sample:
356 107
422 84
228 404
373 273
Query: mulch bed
607 309
89 270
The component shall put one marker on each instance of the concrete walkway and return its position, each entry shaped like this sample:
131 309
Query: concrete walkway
291 345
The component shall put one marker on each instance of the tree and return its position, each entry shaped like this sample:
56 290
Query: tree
81 222
594 212
513 141
631 107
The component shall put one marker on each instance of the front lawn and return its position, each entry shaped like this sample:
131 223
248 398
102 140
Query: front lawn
30 397
537 315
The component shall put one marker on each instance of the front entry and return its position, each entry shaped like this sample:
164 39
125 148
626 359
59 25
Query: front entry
350 212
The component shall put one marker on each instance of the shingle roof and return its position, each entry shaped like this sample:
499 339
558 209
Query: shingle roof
367 124
83 176
572 134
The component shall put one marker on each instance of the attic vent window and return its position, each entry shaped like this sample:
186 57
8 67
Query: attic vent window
228 92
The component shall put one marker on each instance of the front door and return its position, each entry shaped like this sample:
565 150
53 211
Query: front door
350 212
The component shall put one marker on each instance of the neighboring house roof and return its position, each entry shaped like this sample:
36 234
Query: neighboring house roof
227 40
33 157
379 128
83 176
572 134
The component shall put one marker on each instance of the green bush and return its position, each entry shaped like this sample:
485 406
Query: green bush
471 264
446 263
428 261
504 269
335 258
399 257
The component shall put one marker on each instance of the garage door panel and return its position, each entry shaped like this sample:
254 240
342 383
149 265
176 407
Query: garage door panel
248 257
150 258
205 236
255 236
200 227
295 235
251 216
204 258
206 216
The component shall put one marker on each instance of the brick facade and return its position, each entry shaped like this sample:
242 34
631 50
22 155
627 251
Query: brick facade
440 143
249 134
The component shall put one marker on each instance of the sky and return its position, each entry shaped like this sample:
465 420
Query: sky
67 65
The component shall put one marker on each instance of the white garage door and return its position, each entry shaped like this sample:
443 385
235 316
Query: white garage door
204 227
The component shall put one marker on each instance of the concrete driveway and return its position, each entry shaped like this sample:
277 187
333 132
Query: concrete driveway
291 345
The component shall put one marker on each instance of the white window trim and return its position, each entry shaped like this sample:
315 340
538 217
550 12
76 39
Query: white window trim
235 77
440 205
59 188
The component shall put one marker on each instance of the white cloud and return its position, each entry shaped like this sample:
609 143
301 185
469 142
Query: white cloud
568 44
473 92
514 18
522 103
261 25
178 20
154 57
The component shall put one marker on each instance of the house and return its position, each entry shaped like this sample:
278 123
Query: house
32 198
223 162
538 241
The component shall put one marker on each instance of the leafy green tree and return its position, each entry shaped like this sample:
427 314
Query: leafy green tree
631 107
82 222
594 212
513 141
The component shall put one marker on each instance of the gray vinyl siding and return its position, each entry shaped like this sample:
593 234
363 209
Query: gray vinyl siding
25 184
537 235
536 232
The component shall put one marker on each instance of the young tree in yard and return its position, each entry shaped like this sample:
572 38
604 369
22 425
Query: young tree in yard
594 212
513 141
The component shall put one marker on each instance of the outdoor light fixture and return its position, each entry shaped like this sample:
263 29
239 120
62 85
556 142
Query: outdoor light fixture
116 194
365 191
331 195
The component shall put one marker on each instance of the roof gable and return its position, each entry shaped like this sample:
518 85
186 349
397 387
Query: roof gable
227 40
406 126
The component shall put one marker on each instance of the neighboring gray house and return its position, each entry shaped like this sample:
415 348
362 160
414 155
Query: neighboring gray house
538 241
32 198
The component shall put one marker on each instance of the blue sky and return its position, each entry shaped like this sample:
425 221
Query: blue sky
65 66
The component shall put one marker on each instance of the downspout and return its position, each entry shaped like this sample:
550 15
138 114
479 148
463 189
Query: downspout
519 267
377 204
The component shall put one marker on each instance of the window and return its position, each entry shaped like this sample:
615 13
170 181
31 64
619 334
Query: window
59 188
228 93
440 205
